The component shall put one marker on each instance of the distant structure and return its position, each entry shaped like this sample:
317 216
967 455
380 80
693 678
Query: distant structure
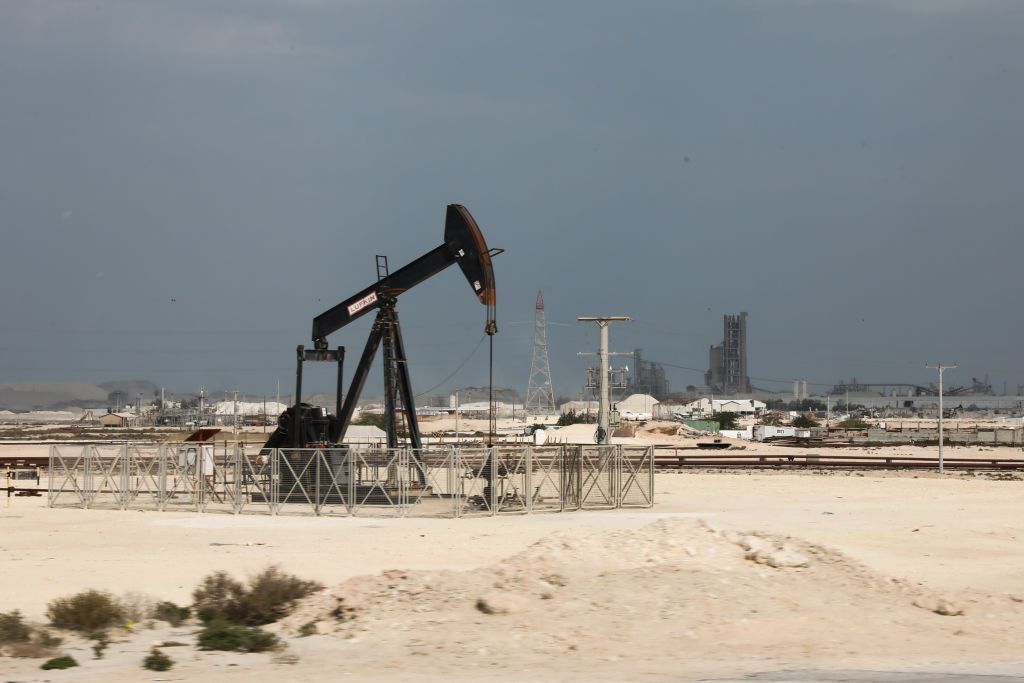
727 371
800 390
648 377
540 396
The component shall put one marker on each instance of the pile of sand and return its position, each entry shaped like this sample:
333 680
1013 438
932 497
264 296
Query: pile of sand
676 594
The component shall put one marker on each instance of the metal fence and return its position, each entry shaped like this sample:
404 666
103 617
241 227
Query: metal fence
436 482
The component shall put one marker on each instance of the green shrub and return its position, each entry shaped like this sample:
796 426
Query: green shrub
727 420
307 629
85 612
62 662
222 635
213 595
13 628
268 597
157 661
804 422
171 613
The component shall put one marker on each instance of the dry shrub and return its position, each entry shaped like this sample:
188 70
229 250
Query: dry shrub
34 648
136 607
13 628
18 639
215 594
85 612
269 596
171 613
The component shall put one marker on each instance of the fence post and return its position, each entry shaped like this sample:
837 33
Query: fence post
528 478
236 479
493 478
350 485
457 483
617 475
450 483
318 454
87 479
403 481
161 477
561 478
123 476
650 470
49 478
275 480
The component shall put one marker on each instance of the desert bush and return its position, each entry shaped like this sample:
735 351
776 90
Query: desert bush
223 635
308 629
268 597
804 422
136 607
214 594
171 613
85 612
13 628
46 639
62 662
157 661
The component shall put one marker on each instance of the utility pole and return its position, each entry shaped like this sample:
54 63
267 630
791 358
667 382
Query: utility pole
941 368
604 396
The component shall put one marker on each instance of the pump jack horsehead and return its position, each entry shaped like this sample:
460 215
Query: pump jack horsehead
304 425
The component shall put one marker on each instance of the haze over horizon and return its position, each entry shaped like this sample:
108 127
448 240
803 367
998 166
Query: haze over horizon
184 186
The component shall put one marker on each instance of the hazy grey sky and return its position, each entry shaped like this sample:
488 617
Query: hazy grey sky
184 185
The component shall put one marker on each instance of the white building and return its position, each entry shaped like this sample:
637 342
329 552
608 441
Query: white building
706 407
637 403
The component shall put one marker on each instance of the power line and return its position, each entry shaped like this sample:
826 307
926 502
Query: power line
456 370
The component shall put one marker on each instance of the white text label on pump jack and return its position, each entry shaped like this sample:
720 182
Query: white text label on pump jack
362 303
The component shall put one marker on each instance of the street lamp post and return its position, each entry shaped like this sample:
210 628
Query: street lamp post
941 368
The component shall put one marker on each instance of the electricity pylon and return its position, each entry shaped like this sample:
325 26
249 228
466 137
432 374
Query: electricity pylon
540 397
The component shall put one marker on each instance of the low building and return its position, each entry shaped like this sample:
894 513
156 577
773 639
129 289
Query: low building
637 403
706 407
123 420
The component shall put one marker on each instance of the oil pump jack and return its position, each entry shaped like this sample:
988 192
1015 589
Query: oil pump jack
304 425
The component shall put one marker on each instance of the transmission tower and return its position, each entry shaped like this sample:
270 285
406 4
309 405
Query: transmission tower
540 397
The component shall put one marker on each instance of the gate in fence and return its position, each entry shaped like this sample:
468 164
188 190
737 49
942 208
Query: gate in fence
436 482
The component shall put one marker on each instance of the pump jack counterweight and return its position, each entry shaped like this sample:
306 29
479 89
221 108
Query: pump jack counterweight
304 425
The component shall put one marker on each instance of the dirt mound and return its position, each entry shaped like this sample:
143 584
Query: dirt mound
676 593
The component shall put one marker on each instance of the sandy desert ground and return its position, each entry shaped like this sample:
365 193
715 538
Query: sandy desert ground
729 574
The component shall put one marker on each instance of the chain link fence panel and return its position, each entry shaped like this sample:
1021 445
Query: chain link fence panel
433 482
